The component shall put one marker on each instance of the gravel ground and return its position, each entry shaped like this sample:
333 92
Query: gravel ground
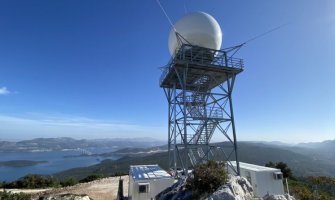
98 190
102 189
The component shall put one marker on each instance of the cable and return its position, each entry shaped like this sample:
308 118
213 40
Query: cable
265 33
238 47
166 15
185 7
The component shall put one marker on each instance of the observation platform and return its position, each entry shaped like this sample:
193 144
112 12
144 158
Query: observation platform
206 68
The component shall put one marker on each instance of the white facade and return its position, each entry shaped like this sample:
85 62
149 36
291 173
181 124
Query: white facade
146 181
264 180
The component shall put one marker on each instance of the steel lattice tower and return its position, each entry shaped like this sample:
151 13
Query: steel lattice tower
198 84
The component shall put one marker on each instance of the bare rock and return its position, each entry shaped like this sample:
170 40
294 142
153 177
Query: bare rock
176 191
278 197
237 188
66 197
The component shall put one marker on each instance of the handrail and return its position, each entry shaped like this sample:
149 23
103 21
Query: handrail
201 55
208 112
192 99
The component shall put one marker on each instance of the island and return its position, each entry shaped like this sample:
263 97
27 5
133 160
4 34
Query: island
20 163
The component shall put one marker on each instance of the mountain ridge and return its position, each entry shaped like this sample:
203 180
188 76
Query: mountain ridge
56 144
302 164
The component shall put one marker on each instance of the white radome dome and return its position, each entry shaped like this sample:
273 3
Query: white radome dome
199 29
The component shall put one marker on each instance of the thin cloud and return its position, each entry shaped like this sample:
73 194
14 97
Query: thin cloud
4 91
25 127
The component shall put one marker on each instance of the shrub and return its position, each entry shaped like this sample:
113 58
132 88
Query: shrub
207 178
14 196
69 182
32 181
36 181
91 178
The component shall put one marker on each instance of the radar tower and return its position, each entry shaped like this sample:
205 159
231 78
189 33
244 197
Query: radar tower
198 83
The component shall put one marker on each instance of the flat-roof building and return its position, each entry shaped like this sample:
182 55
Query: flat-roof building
146 181
264 180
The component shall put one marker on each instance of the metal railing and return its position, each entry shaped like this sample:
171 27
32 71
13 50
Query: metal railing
191 99
165 71
202 56
201 112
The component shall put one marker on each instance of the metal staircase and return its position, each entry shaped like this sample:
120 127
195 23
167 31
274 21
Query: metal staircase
197 111
191 155
205 132
201 137
196 155
208 118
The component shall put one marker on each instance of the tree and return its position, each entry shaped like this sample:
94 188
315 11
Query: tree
287 172
270 164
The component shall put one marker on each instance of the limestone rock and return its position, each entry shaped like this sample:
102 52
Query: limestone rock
66 197
237 188
278 197
176 191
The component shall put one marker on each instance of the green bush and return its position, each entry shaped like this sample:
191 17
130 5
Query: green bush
32 181
14 196
300 191
207 178
37 181
69 182
91 178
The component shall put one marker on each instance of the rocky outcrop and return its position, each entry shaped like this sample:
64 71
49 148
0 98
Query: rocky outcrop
65 197
237 188
278 197
176 191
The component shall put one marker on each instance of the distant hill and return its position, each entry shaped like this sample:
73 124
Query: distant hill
299 159
20 163
325 149
319 145
112 168
63 143
302 161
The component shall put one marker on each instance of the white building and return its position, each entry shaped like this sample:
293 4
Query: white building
146 181
264 180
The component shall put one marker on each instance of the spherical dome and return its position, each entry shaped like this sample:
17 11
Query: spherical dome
199 29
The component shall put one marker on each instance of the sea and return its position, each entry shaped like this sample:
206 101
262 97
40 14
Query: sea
57 161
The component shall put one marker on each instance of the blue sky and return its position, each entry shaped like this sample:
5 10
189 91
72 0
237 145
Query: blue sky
89 69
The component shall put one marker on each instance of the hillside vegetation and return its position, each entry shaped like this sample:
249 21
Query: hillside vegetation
114 167
311 174
254 153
